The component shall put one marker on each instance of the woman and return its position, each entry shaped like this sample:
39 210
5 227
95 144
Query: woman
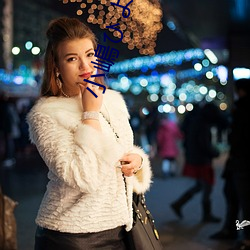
87 144
168 136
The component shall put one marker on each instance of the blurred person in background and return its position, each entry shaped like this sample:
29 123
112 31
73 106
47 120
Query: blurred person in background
11 131
237 169
199 152
87 145
151 123
24 130
136 123
168 136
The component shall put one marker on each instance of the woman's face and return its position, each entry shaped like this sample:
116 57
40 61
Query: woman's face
74 64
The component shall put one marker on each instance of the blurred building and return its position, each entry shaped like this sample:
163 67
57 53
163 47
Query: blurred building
23 25
30 19
196 50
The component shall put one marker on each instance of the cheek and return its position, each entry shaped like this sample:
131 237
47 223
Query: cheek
93 65
67 70
62 72
93 59
62 69
67 76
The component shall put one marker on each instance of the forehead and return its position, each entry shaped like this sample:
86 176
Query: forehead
75 46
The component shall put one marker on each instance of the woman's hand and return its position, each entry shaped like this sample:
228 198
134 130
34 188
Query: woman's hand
89 101
131 163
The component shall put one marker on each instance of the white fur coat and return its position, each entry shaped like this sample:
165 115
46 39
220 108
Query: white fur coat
86 190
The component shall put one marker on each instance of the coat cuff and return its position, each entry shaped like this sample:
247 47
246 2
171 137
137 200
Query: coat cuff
142 180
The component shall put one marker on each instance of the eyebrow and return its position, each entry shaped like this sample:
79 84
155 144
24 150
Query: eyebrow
72 54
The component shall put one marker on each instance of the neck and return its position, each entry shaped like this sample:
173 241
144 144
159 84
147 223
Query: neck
64 94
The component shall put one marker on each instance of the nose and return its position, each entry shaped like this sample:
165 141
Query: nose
83 63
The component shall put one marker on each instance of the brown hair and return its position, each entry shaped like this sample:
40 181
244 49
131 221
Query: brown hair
60 30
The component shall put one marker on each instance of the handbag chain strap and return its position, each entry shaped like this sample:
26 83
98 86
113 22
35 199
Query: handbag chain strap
140 198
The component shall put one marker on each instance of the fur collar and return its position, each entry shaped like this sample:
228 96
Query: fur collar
68 111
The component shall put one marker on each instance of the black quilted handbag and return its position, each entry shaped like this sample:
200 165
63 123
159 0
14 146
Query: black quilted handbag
143 235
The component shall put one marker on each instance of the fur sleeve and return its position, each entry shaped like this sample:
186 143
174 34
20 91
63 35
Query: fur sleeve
143 178
68 154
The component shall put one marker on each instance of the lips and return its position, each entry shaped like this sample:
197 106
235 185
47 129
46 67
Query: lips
85 75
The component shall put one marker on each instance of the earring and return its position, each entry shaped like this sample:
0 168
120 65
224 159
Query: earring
59 84
58 81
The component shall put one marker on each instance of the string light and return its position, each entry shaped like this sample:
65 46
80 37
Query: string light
139 29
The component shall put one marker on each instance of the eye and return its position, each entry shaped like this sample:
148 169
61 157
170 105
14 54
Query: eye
90 54
71 59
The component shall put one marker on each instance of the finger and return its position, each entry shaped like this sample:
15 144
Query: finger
127 172
85 86
82 83
127 169
124 162
126 158
82 87
93 86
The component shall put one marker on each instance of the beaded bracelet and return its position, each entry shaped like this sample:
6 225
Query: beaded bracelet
93 115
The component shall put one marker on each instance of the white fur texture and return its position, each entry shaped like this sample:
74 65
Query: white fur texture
86 191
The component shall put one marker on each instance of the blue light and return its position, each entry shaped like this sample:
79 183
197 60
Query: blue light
18 80
144 69
165 59
172 72
153 88
165 80
205 62
152 65
136 89
145 111
171 25
154 73
241 9
23 67
28 45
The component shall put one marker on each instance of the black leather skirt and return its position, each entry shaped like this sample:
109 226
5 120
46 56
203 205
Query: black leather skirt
113 239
